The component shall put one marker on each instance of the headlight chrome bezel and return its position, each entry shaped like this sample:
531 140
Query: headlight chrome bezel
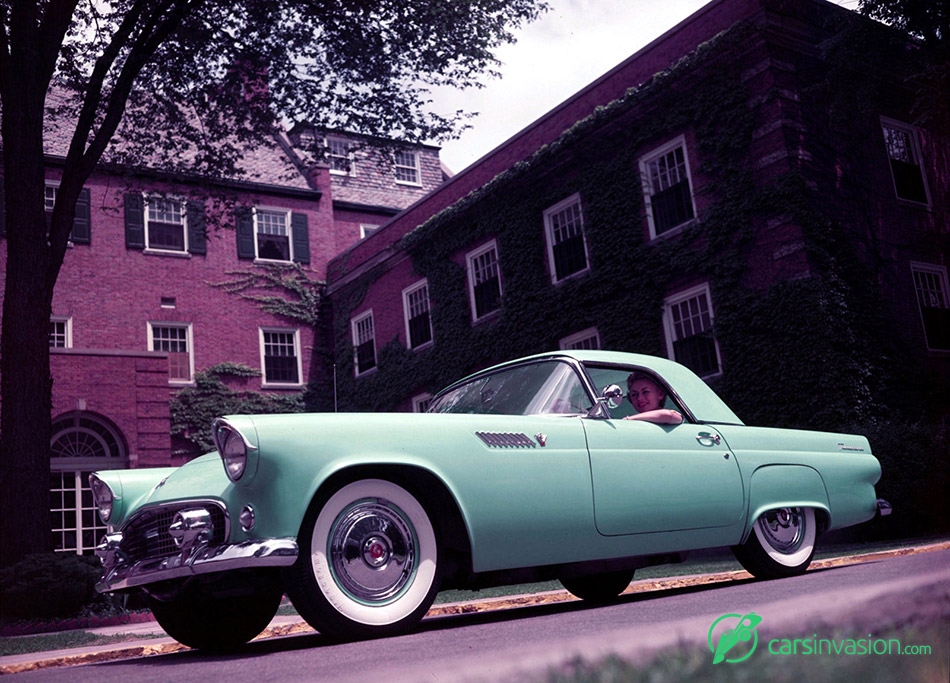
104 497
233 447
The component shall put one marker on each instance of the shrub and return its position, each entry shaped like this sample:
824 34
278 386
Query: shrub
45 586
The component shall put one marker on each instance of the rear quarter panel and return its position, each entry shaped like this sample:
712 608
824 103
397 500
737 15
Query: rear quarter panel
834 472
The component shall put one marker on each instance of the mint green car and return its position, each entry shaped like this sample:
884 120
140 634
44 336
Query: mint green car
523 472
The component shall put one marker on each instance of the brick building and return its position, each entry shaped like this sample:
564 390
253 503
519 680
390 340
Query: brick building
139 309
728 197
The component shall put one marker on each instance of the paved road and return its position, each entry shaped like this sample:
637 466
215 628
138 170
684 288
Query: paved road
507 644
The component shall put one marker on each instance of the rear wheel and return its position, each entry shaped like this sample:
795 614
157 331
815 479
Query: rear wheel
369 562
600 588
781 544
201 618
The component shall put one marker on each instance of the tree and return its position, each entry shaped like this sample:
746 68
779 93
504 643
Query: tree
192 82
929 22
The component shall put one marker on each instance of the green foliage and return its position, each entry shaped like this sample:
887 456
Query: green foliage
50 585
282 289
193 408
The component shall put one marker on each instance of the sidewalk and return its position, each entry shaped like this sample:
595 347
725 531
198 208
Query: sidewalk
150 639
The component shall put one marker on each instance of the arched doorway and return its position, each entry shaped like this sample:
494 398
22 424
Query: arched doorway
81 443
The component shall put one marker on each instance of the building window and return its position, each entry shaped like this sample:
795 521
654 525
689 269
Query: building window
364 342
340 156
165 227
407 167
420 403
588 339
272 229
667 187
933 299
688 321
564 228
280 356
903 150
175 340
415 304
367 229
484 280
80 444
60 333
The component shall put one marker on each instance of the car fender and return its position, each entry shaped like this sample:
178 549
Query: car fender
778 486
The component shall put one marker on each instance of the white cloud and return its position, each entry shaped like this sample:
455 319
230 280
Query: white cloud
572 45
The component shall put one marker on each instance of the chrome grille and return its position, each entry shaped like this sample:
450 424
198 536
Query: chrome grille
146 535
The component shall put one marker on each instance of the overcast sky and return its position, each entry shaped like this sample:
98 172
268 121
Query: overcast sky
570 46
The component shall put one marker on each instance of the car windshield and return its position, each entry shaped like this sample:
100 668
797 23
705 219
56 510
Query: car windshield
531 389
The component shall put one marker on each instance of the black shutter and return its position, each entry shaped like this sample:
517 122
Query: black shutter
244 223
197 242
301 237
134 221
82 223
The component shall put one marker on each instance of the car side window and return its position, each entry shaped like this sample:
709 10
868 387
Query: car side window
604 376
550 387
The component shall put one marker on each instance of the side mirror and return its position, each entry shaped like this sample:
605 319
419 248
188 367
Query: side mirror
613 395
610 398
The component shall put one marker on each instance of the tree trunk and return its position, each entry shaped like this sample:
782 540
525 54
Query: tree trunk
25 382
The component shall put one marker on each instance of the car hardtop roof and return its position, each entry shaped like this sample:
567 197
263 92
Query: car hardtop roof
702 401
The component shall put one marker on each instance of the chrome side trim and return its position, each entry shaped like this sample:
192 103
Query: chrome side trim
271 552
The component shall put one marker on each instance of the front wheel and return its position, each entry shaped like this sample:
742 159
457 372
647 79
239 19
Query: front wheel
782 543
601 588
199 618
370 564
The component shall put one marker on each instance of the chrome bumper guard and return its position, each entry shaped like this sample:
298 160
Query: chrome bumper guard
883 508
118 573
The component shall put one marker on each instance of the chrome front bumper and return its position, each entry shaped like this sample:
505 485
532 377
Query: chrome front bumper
118 573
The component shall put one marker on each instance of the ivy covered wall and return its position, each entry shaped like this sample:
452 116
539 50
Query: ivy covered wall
812 350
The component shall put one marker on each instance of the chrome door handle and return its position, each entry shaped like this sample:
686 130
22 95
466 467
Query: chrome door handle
707 439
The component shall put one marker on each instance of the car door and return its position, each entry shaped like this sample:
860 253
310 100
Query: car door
652 478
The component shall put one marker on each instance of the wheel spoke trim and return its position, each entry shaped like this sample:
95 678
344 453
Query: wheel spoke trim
373 551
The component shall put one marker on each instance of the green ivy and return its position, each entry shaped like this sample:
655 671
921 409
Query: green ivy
194 408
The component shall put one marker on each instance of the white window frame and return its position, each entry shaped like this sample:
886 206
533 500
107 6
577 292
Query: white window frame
914 149
573 341
357 341
49 194
332 154
420 402
295 337
415 167
67 323
257 215
407 306
550 229
189 342
669 328
367 229
939 273
183 211
645 161
470 259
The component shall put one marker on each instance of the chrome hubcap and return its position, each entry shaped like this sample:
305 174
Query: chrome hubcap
784 529
372 551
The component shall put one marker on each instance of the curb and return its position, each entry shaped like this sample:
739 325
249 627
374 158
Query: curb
168 646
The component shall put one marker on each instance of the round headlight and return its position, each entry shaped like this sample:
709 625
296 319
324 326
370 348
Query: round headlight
234 455
103 496
232 447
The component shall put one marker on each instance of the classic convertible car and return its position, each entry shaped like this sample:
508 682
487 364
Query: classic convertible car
522 472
